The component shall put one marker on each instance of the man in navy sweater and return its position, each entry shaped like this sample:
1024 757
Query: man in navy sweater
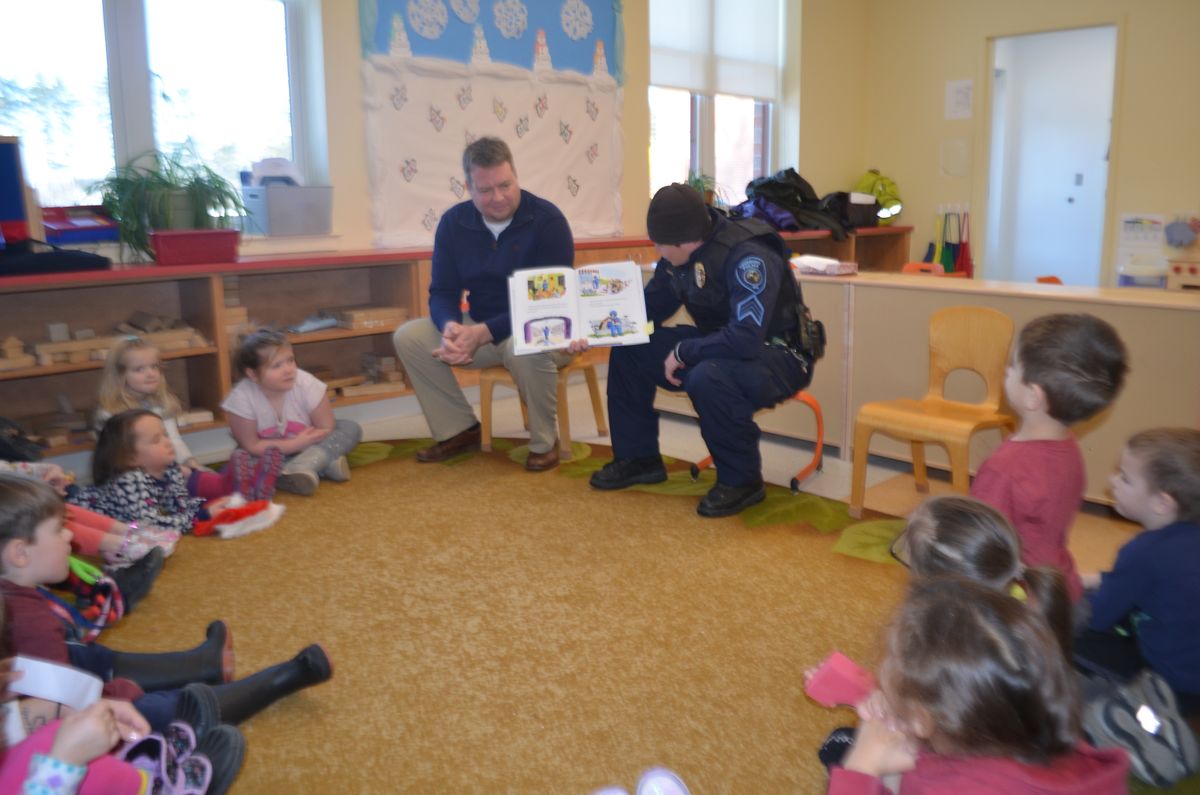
477 245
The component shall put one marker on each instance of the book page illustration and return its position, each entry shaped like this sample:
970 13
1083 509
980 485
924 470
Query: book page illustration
612 309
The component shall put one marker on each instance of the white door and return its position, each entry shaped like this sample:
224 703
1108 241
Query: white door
1051 131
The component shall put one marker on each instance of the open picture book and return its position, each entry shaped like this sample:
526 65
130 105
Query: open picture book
602 303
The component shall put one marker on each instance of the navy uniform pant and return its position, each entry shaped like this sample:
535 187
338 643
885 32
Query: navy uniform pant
725 393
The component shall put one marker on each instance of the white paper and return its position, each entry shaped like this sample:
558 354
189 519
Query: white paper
958 99
827 266
1140 245
62 684
602 303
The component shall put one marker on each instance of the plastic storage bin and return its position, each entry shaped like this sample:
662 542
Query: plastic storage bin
282 210
194 246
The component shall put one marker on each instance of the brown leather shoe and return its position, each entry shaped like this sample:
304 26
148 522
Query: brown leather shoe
467 441
540 462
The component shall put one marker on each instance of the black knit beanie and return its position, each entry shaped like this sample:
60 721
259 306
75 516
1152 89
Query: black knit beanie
677 214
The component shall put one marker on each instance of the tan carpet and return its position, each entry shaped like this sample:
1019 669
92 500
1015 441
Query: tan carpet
499 631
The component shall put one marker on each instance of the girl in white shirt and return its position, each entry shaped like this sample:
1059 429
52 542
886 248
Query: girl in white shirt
276 404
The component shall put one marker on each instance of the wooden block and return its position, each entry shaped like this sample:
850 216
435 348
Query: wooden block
361 317
193 417
370 389
387 364
79 357
58 332
12 347
391 377
17 362
236 314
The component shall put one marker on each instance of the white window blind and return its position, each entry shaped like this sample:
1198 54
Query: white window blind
717 46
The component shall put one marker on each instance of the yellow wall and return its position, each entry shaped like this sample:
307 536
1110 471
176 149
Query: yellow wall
915 46
869 85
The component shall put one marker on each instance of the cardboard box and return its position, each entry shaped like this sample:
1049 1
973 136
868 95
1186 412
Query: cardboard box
281 210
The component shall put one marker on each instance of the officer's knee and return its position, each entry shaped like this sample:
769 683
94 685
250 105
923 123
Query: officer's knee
702 378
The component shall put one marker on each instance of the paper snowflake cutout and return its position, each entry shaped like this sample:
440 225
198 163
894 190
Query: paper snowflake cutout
466 10
572 185
542 105
399 96
522 126
457 187
593 110
576 19
436 118
511 18
429 220
500 109
565 132
409 170
464 96
593 152
428 17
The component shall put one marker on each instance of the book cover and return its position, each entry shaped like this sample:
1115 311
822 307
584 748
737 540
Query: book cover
602 303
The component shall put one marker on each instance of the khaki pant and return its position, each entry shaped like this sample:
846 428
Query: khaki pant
446 408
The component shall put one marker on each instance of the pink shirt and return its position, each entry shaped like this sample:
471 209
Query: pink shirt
248 401
1038 486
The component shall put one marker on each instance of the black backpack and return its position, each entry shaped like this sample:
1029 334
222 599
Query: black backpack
14 446
792 192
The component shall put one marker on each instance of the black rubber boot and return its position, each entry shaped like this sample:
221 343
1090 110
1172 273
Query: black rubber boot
225 749
246 697
135 580
169 670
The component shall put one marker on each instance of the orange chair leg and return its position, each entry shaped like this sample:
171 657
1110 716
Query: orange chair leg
819 449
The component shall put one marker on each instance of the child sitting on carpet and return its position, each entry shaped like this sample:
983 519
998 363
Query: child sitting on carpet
136 479
1063 370
1154 586
975 696
95 534
277 404
34 548
133 379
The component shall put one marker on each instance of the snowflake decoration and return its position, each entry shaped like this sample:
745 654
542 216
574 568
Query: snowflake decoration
511 18
428 17
572 185
399 96
429 220
466 10
456 187
593 152
565 132
522 126
464 96
593 109
542 105
436 118
499 109
469 138
409 170
576 19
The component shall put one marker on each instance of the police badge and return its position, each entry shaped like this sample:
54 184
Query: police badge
701 276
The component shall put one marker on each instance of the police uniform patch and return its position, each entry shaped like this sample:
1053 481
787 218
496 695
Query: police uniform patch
701 275
752 276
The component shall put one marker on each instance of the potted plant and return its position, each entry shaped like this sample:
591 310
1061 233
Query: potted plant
161 191
705 185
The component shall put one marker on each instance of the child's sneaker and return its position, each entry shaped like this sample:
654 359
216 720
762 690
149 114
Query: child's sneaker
160 537
1142 717
338 470
660 781
301 482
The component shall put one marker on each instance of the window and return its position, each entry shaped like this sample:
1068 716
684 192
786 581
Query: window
715 76
120 78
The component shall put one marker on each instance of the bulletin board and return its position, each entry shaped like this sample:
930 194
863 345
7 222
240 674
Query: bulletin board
435 81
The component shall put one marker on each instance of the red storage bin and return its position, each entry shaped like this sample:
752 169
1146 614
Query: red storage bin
194 246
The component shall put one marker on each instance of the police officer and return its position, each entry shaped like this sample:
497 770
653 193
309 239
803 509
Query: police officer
743 354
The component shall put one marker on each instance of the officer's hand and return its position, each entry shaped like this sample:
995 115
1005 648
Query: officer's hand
578 346
670 366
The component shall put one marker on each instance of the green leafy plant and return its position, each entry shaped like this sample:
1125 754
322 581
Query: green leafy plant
706 185
175 190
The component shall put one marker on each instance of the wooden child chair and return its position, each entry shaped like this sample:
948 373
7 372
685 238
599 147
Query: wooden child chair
960 337
584 363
